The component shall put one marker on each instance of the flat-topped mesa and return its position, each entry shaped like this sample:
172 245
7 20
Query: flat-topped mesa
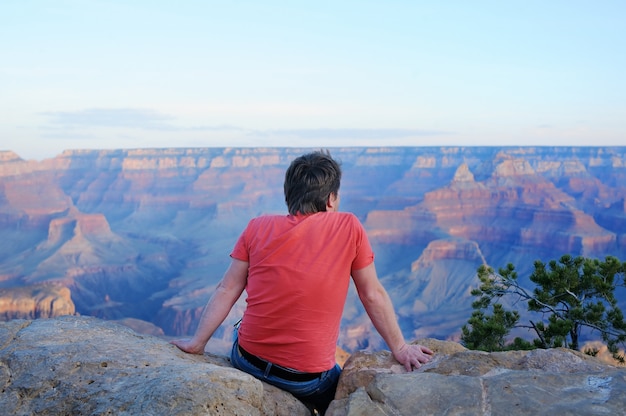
64 228
448 249
9 156
61 229
513 167
93 224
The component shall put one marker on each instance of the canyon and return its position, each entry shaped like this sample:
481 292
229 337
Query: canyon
142 236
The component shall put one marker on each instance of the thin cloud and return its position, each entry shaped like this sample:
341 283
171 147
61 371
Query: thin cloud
144 119
63 134
223 127
112 117
348 133
64 122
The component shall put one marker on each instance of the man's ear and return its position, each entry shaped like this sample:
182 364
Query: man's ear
332 204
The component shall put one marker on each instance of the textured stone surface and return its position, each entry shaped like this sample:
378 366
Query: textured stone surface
86 366
462 382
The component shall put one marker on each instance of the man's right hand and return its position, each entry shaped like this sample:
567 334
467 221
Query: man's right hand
188 346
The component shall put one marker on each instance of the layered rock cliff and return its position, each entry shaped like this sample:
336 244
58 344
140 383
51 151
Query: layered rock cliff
37 301
146 233
86 366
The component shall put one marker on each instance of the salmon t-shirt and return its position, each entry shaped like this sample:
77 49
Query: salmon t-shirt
298 277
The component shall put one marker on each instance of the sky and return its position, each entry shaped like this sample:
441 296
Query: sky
112 74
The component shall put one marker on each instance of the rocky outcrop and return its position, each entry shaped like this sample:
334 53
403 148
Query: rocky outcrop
37 301
79 225
462 382
85 366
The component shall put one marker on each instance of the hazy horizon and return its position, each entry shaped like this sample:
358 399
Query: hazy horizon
310 147
113 74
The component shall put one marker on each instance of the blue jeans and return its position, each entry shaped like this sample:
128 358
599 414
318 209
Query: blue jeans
318 392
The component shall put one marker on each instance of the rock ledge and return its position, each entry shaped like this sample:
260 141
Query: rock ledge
85 366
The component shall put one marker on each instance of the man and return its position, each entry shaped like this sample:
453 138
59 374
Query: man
296 271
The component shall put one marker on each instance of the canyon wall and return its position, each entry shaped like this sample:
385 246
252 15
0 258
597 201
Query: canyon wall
145 234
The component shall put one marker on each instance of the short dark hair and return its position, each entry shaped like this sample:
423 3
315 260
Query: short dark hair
309 182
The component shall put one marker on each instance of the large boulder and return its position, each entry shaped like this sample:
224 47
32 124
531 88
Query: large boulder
84 366
462 382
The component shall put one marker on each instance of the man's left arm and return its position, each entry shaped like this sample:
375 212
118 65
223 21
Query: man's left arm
380 310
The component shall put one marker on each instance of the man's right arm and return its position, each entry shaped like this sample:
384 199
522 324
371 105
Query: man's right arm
380 310
226 294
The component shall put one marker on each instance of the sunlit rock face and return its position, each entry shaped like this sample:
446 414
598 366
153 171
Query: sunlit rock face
145 234
38 301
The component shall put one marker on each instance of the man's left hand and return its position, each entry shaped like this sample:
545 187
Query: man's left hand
413 356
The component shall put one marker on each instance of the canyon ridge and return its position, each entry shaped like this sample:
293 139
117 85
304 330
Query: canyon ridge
142 236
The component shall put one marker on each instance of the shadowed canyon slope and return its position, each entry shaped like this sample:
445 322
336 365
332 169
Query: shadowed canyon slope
144 235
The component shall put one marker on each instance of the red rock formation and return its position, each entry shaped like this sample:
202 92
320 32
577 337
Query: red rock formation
38 301
513 206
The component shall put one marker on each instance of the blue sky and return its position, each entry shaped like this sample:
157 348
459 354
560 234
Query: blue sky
78 74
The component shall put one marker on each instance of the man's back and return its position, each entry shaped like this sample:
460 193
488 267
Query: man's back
296 270
299 273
